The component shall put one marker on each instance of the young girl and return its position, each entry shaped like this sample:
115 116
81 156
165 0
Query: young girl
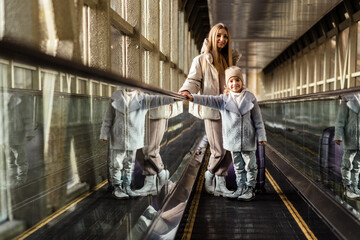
241 124
207 76
124 125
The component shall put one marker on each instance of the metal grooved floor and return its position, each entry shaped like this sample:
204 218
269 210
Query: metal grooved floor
266 217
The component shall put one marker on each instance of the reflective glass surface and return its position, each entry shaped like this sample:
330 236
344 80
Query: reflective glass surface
304 133
64 136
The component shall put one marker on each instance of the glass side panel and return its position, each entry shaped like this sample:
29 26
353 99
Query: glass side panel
62 135
3 138
303 132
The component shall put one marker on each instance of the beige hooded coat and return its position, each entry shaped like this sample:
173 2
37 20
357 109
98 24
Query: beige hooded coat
204 80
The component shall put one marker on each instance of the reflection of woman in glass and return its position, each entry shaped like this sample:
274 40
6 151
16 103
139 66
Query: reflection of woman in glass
151 162
19 126
347 130
207 75
124 124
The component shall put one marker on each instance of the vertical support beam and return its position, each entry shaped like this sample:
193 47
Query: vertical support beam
352 54
133 55
165 42
316 70
2 18
344 70
349 9
174 44
294 79
65 27
307 73
100 53
337 63
301 75
154 36
327 62
186 48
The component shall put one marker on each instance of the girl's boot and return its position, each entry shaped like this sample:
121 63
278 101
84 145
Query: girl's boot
240 182
248 194
240 189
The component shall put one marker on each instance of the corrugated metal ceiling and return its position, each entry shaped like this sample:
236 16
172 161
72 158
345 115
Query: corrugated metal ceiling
261 30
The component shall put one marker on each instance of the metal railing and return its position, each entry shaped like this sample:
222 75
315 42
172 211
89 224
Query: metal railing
31 56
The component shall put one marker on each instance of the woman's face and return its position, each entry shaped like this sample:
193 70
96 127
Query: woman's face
222 38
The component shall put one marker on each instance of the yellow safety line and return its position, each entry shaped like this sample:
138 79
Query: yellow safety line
40 224
194 205
303 226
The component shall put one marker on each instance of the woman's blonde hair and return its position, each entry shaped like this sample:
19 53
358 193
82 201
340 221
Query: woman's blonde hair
226 52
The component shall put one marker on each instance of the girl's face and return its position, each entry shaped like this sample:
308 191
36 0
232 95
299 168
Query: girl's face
235 84
222 38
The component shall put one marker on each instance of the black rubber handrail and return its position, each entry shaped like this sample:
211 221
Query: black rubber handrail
335 94
24 54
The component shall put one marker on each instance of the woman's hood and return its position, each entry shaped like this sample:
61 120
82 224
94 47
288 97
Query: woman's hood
204 46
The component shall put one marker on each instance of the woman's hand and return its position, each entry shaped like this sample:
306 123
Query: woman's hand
184 92
262 143
103 141
187 94
338 142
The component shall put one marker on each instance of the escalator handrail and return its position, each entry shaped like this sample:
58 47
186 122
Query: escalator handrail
335 94
27 55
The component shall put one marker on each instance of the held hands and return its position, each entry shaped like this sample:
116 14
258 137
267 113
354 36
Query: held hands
187 94
262 143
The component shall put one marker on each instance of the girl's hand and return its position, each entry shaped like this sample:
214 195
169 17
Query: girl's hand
262 143
187 94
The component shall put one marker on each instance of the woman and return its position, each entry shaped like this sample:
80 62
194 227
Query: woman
207 76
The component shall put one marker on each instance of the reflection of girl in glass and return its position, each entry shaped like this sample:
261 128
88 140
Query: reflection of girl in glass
124 124
347 131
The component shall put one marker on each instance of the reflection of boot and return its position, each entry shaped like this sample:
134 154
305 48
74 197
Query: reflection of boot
209 182
119 193
163 176
149 187
356 189
220 186
130 192
150 212
140 228
127 183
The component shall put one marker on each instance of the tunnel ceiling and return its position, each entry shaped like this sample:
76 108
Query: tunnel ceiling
196 14
261 30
